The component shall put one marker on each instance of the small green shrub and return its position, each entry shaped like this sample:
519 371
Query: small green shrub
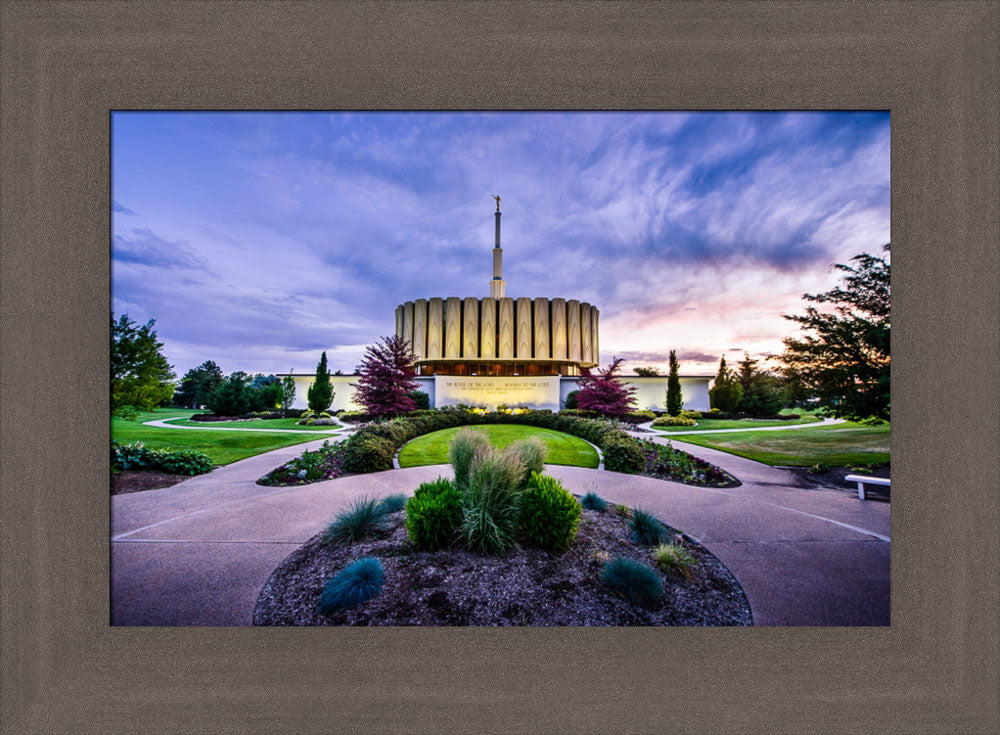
549 515
624 455
184 462
638 583
531 451
392 503
571 399
461 450
135 456
593 501
675 558
321 422
129 413
713 411
353 416
674 421
308 414
691 414
362 519
368 453
433 514
357 583
489 505
323 415
622 510
646 529
421 399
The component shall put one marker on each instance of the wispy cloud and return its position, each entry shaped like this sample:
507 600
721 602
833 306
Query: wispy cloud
262 239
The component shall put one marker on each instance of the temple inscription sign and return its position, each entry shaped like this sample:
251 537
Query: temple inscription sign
534 392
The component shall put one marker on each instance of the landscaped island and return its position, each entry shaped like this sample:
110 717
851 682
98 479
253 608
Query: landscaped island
502 544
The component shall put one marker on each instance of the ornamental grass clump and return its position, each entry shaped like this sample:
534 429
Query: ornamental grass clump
593 501
357 583
490 502
434 514
461 451
646 529
531 451
392 503
675 558
365 517
638 583
549 514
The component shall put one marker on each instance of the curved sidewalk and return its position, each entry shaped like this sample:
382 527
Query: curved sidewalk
199 552
810 425
164 424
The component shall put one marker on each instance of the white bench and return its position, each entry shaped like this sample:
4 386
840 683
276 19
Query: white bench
863 480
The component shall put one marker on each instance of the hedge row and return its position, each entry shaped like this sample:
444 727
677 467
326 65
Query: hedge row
373 446
291 413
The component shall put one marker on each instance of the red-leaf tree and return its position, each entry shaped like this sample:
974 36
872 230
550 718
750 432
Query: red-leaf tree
604 393
386 378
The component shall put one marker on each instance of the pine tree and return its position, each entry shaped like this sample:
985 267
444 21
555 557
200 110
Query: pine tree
725 394
606 394
675 401
761 395
386 378
198 384
320 393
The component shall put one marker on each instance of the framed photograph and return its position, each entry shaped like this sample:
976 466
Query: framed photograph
121 127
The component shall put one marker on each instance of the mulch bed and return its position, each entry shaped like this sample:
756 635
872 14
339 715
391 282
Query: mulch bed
834 478
527 587
134 481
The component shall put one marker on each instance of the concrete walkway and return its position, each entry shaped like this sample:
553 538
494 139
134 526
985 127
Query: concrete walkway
165 424
811 425
199 552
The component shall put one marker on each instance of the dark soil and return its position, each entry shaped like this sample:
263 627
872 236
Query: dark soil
527 587
134 481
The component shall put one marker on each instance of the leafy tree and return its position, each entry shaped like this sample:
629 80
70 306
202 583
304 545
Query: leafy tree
570 401
647 372
843 356
675 402
264 393
761 395
726 392
386 378
320 393
140 374
232 398
287 392
605 393
198 384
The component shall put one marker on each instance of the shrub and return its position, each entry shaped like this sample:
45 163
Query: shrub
433 514
489 505
691 414
580 412
353 417
367 453
637 582
646 529
323 415
392 503
131 456
531 451
357 583
593 501
624 455
129 413
184 462
549 515
461 452
622 510
571 399
638 417
365 517
674 421
675 558
321 422
420 399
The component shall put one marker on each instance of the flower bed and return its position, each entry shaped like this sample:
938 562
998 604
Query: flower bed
325 463
666 463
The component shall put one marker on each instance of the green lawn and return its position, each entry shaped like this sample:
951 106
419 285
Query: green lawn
838 445
563 449
258 424
222 447
705 424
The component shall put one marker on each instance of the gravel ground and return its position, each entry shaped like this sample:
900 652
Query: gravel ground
133 481
527 587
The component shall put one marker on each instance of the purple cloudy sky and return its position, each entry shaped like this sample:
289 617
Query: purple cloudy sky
259 239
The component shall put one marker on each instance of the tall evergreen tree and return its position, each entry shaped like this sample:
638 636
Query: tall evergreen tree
726 392
675 401
843 356
605 393
198 384
386 378
761 394
320 393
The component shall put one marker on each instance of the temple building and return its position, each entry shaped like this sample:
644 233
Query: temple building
501 350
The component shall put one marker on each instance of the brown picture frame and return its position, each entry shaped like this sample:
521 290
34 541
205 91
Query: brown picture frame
65 65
